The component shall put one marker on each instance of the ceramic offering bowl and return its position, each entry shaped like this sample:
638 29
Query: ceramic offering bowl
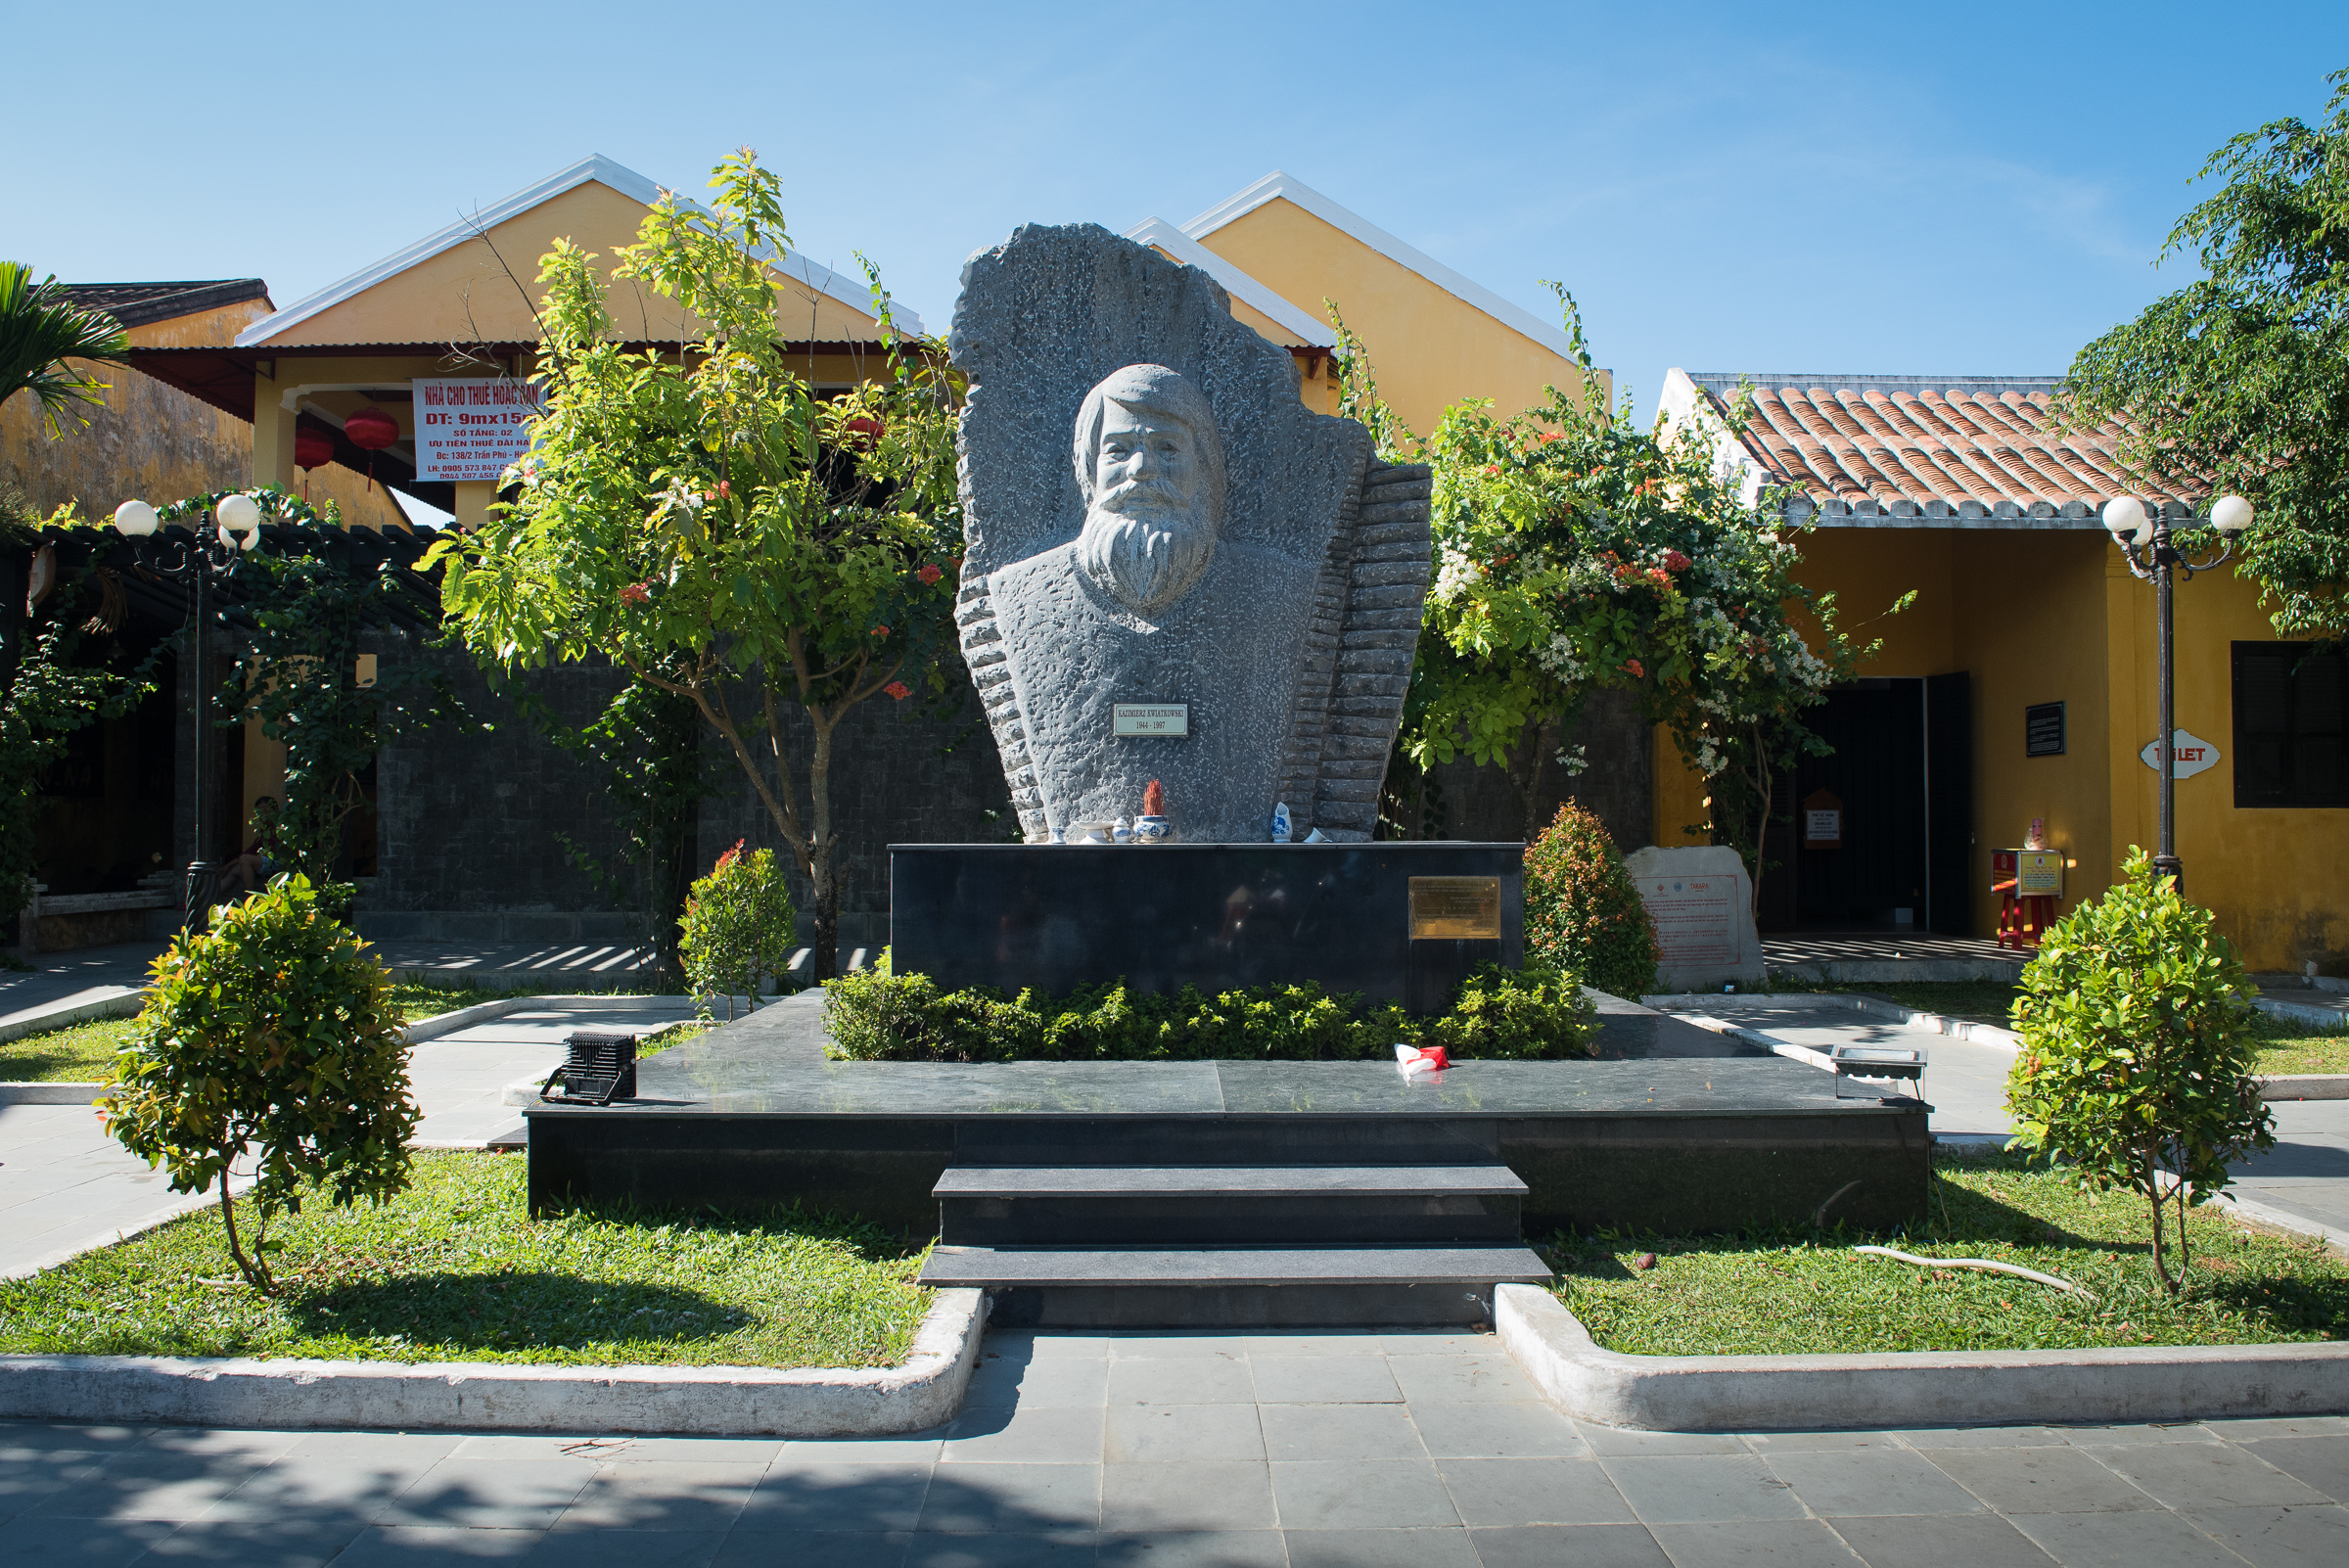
1152 830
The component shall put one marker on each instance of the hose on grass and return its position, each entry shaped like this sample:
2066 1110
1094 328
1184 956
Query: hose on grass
2016 1270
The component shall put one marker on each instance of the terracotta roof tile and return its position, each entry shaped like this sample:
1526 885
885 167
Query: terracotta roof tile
1929 445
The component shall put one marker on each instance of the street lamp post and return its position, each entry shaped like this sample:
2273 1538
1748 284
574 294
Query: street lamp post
2145 543
195 563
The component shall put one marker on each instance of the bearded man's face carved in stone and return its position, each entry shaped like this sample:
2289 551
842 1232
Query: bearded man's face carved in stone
1148 463
1146 538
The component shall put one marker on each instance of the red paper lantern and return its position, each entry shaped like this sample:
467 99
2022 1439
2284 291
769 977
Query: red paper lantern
371 429
312 449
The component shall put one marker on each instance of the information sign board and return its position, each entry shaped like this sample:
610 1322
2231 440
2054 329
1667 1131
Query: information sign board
473 428
1150 718
2043 729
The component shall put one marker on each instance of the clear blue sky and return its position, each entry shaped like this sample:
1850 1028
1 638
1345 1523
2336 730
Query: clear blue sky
1889 189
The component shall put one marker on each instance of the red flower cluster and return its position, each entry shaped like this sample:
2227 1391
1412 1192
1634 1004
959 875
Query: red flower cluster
1674 560
1659 576
880 631
1637 670
929 572
729 857
636 593
898 689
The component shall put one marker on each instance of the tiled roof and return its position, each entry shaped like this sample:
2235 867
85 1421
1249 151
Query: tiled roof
135 305
1925 449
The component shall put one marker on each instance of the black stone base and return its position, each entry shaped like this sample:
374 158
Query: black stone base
1217 916
750 1117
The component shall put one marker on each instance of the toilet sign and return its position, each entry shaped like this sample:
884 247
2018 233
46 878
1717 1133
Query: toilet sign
2191 755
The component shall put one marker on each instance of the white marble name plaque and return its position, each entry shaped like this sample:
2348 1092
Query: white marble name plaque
1150 718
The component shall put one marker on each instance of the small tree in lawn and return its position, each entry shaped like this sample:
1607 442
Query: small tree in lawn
704 519
272 1035
737 928
1582 912
2136 1053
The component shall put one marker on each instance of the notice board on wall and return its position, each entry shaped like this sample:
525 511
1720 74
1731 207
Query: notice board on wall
472 429
2043 729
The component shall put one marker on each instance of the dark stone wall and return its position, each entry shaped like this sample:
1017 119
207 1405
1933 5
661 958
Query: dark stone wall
1480 804
469 816
902 773
467 819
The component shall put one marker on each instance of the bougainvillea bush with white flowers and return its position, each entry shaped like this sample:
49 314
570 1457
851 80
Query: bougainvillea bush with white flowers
1576 553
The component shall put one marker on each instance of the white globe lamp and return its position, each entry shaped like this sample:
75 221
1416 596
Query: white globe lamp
135 520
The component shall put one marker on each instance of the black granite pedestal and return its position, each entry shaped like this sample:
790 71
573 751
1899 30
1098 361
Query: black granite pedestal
1217 916
1674 1131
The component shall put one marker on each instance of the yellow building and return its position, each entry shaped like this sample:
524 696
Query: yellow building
147 438
1287 255
2023 684
462 303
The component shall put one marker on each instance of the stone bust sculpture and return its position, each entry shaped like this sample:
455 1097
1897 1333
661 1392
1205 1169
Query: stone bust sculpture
1174 576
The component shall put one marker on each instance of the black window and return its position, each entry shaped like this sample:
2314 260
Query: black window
2291 724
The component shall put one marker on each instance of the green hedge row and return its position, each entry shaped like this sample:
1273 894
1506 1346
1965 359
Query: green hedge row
1522 1015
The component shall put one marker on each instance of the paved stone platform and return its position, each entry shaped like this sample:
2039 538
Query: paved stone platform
1281 1451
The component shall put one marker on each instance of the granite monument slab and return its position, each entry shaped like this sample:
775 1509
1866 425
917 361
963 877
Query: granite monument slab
1175 570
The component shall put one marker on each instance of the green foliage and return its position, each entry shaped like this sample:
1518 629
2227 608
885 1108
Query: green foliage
270 1035
40 329
875 1016
307 613
699 515
47 692
738 926
2239 381
1582 912
2138 1050
456 1269
1574 554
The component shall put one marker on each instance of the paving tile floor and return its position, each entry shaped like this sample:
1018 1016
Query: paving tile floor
1293 1449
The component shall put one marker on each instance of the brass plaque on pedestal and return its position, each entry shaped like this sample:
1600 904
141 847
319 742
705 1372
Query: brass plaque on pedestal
1456 909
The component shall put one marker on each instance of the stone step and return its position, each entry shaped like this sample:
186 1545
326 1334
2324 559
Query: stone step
1136 1287
1000 1206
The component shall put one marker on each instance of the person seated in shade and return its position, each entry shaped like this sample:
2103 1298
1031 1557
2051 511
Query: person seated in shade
254 868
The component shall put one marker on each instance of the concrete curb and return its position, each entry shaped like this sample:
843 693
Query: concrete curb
61 1015
482 1013
924 1391
1908 1388
50 1093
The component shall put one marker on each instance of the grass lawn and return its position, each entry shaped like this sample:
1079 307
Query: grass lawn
454 1269
2286 1046
1808 1292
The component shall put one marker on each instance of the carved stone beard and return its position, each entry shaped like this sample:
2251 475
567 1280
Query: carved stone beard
1144 551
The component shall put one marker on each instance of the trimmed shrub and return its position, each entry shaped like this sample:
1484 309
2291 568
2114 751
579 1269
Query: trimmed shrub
2136 1058
738 926
877 1017
1582 912
271 1035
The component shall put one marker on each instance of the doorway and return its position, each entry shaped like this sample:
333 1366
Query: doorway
1900 775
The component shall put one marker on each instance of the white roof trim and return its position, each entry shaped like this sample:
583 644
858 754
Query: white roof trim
1239 285
1276 185
626 181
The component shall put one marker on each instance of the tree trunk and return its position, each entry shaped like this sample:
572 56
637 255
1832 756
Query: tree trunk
1528 766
